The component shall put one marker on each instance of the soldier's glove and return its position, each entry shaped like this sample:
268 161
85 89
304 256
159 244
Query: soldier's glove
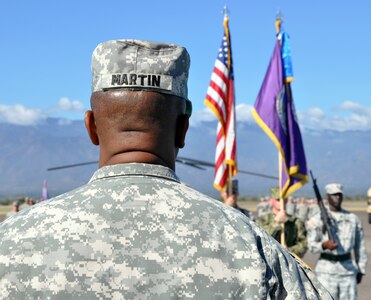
359 278
330 244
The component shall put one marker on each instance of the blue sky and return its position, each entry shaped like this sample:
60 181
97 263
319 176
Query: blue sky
46 49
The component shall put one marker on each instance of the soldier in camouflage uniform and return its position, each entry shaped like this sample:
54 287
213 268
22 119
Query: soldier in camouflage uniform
135 231
15 209
295 233
263 207
291 206
335 268
303 210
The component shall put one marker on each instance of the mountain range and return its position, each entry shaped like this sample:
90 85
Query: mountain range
26 152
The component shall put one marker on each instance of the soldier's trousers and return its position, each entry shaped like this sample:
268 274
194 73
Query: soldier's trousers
340 287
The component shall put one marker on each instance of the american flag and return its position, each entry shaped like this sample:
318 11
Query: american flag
220 99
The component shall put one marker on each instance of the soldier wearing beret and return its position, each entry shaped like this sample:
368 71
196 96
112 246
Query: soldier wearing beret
135 231
335 268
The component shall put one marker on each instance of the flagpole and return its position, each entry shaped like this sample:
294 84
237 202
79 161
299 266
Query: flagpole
226 20
282 204
229 182
220 99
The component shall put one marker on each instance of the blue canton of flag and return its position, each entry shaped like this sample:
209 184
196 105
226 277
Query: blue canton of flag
224 54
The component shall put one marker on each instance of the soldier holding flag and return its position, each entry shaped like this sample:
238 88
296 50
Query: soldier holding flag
274 112
294 229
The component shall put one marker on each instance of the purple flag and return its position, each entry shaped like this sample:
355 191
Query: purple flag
44 192
274 111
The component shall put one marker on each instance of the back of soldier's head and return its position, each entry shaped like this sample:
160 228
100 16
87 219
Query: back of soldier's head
134 65
139 92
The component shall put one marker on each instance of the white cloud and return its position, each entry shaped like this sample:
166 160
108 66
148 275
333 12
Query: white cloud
243 114
63 122
204 115
20 115
350 116
315 113
65 104
354 117
355 108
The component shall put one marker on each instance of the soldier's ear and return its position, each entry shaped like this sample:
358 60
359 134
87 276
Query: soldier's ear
182 125
91 127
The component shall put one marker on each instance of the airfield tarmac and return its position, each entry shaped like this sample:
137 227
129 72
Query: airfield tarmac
359 208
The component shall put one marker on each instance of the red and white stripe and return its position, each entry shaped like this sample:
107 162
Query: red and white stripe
220 98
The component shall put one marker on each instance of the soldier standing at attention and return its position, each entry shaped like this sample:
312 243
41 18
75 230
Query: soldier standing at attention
15 209
134 231
335 268
291 206
263 207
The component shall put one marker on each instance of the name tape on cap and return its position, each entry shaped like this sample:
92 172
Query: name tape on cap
152 81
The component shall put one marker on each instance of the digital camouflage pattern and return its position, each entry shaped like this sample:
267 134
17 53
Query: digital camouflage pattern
135 232
291 207
263 207
135 64
339 286
295 232
350 238
339 277
246 212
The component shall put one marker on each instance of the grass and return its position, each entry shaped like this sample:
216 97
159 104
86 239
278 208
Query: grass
4 209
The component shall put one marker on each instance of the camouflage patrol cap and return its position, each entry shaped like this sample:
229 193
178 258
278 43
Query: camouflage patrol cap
140 65
334 188
275 192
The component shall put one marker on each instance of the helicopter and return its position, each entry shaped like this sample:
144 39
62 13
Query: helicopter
194 163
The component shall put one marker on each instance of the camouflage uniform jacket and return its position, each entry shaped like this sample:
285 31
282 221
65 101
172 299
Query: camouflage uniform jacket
263 208
11 213
349 234
135 232
246 212
295 232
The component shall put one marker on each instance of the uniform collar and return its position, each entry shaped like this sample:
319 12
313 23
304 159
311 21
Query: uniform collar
134 169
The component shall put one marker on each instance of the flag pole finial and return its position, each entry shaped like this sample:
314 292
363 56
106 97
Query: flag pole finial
279 20
225 12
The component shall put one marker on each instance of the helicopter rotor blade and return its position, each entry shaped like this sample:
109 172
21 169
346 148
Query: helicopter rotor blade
72 166
187 163
195 163
209 164
258 174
